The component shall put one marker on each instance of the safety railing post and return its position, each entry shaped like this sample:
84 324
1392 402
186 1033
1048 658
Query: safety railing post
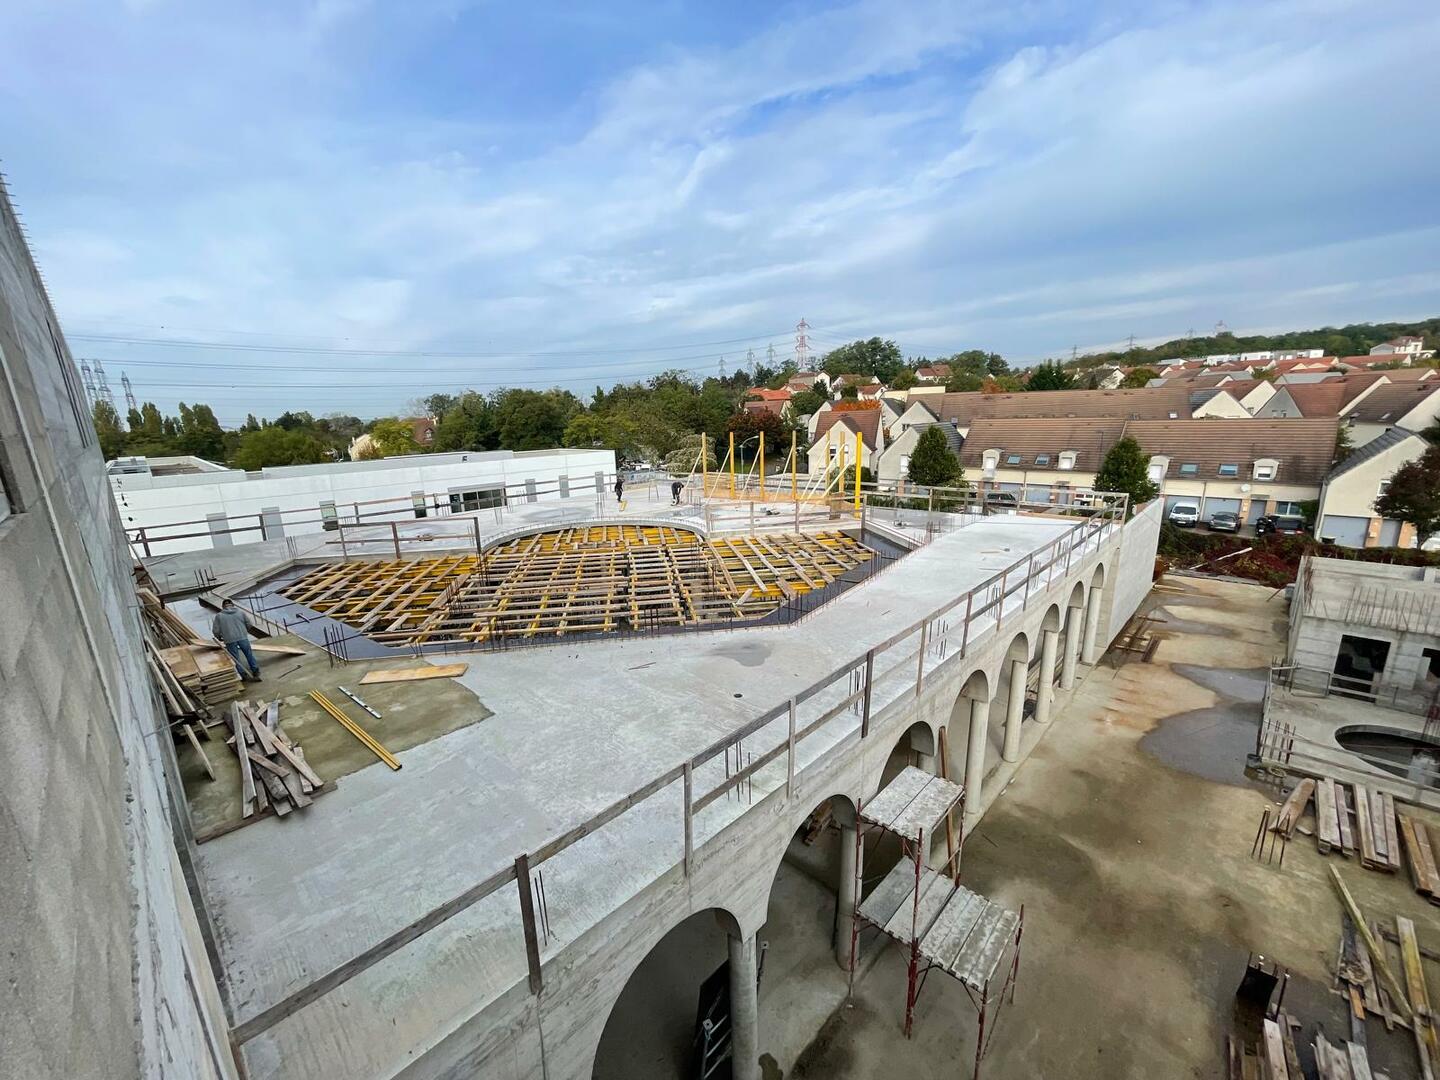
527 919
869 680
689 818
395 538
790 760
920 662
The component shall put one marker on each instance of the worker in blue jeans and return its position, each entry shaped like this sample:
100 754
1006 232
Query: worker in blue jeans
230 630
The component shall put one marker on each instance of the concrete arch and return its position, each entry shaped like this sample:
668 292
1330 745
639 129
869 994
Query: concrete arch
1077 596
1097 579
1054 619
842 808
1020 648
614 1049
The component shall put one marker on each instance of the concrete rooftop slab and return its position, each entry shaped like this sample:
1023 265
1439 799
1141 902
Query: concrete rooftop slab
573 728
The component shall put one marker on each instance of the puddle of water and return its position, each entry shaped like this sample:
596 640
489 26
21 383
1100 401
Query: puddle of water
1237 684
744 653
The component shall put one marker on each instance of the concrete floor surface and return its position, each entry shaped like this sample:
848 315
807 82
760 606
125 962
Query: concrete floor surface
1127 838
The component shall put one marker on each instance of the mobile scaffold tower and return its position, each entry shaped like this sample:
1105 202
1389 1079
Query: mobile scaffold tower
942 925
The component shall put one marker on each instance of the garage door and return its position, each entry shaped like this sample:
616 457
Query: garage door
1172 500
1216 506
1349 531
1389 533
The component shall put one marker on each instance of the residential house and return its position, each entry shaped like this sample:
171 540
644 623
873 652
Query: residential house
1411 347
1411 404
422 430
1247 466
1216 401
1347 501
867 387
834 442
933 373
759 399
893 463
807 380
1251 393
1330 397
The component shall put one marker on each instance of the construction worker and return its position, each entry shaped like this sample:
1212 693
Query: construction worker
230 630
675 489
619 487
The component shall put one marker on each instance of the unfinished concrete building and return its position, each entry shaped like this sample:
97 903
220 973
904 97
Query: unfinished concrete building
650 765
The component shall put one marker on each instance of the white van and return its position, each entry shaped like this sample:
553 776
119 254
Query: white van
1185 515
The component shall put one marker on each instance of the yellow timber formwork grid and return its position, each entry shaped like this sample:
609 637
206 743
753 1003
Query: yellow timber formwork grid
581 579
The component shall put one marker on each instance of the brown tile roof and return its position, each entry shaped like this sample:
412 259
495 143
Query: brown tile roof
865 421
1410 374
1304 448
1317 398
1030 438
1387 404
1156 403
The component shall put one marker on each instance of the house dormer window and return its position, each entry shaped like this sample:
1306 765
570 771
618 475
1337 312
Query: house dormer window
1159 466
1189 469
1265 469
989 460
1067 459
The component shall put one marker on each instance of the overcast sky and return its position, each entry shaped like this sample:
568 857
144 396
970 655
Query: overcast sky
577 193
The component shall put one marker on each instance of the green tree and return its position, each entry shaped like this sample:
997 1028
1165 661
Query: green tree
873 357
933 463
200 434
1125 470
964 382
903 379
393 438
608 431
251 424
1343 445
469 424
108 430
534 419
152 424
1137 378
808 402
749 424
276 446
1050 376
1413 495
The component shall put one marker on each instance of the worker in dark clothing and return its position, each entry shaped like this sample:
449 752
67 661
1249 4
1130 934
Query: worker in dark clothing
675 489
230 630
619 487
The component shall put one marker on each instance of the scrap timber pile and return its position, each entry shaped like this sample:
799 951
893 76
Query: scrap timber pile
1355 821
273 771
596 578
198 668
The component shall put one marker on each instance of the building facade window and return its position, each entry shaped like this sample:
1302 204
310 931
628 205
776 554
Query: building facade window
1012 459
1067 459
1229 470
1287 509
1042 459
1265 469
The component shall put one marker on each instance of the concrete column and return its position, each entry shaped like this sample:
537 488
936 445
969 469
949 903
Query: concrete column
1015 710
1049 646
925 763
849 859
1072 650
744 1010
975 760
1091 651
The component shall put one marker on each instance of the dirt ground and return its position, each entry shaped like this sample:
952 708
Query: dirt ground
1127 838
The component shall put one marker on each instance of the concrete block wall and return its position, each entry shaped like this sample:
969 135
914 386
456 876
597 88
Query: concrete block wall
1134 566
106 972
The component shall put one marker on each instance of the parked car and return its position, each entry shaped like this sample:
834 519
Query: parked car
1001 500
1224 521
1185 515
1283 524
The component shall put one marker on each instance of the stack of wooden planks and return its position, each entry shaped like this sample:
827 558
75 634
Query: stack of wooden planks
1421 855
201 667
273 770
1356 820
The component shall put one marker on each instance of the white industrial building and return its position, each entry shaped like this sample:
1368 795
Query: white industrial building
186 504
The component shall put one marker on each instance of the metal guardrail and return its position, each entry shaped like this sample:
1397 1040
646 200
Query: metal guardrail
1298 678
727 769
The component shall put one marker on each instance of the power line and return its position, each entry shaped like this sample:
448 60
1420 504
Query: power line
231 346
